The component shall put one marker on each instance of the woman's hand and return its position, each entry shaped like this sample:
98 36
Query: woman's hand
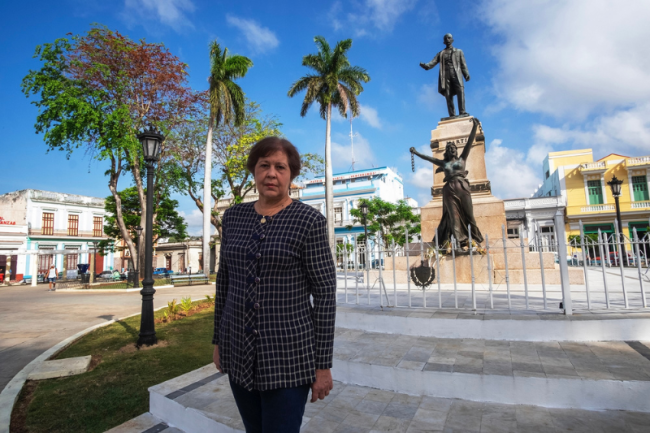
323 385
216 360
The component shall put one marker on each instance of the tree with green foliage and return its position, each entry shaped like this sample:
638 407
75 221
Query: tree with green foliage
168 222
389 220
334 84
96 91
231 145
226 105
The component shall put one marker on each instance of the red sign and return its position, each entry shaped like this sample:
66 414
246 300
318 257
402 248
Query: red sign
7 223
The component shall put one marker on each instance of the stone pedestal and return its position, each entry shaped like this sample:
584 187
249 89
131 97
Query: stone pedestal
489 211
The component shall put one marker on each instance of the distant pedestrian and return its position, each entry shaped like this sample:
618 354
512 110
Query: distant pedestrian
51 277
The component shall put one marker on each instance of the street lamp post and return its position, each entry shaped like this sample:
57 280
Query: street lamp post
615 185
136 262
151 140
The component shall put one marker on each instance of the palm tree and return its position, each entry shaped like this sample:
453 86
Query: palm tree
334 84
226 104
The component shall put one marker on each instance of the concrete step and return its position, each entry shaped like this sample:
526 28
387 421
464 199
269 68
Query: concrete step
145 423
598 375
201 401
499 324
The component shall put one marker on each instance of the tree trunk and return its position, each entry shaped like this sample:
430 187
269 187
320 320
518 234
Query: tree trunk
329 186
207 196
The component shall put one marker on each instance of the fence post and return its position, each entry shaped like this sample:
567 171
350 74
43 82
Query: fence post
621 251
34 268
453 260
436 246
584 263
505 259
541 263
471 264
523 266
564 267
638 267
408 268
489 266
602 241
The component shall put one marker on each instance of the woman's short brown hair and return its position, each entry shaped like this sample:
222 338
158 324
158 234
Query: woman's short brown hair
269 145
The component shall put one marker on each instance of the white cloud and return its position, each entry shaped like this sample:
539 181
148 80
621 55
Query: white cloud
511 172
428 95
570 59
259 39
624 131
194 221
370 116
168 12
342 154
422 178
363 17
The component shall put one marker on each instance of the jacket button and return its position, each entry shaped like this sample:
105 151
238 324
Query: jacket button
258 255
262 236
255 332
257 279
256 306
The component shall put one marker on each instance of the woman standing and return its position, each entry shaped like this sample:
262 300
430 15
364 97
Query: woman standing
457 208
51 277
274 344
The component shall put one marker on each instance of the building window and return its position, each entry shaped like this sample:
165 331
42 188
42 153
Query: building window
73 225
546 229
513 233
547 174
71 262
595 192
640 188
338 214
48 223
98 225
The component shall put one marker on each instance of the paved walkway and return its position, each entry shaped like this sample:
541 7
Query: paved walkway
357 409
32 319
611 360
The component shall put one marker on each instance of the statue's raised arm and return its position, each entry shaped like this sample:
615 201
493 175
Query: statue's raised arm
470 140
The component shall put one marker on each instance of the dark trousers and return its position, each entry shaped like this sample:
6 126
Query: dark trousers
274 411
453 88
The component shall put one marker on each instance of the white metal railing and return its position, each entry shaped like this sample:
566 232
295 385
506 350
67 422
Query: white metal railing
507 274
640 204
638 160
593 166
597 208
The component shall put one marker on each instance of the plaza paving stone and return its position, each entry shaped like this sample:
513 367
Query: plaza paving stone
615 360
351 408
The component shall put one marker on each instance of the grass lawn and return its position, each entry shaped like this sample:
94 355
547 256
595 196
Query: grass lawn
116 389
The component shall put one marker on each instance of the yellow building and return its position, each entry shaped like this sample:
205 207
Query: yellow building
583 182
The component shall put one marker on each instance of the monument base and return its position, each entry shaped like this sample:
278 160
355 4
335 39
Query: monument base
489 213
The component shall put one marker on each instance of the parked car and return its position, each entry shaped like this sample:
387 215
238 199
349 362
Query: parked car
110 275
613 259
163 271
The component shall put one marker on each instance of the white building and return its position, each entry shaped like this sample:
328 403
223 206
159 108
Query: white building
534 219
50 223
349 188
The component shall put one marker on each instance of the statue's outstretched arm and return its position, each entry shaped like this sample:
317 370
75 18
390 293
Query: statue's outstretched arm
432 63
432 160
470 140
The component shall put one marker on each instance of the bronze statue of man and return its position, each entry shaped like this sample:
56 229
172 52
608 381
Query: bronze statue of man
450 81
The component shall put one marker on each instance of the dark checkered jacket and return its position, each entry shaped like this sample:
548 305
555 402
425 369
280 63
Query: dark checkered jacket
269 334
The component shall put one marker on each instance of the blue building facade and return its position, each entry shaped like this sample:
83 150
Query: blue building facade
349 188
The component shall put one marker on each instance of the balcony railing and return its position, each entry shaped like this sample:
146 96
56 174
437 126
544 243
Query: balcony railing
640 204
638 161
597 208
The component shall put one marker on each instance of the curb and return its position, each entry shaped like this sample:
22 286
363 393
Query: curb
168 286
10 393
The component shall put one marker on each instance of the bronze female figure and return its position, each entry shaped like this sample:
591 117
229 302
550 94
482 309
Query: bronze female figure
457 209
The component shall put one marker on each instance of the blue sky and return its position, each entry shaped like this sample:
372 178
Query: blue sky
545 75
